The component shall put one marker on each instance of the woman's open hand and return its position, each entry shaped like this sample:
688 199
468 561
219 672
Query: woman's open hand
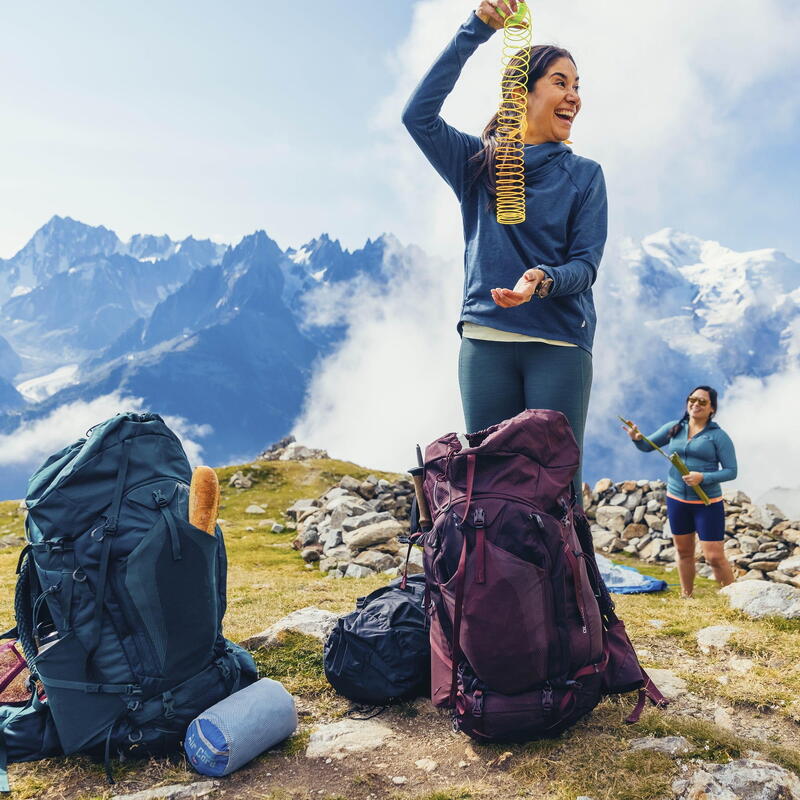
633 431
487 11
522 292
693 478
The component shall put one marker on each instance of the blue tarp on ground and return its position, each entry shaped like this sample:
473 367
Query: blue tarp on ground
627 580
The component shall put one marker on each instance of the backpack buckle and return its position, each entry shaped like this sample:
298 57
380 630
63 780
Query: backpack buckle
159 498
478 518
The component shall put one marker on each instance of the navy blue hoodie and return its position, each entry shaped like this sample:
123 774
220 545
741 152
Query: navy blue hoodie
566 214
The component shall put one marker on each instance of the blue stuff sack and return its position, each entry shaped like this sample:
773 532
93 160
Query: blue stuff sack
240 727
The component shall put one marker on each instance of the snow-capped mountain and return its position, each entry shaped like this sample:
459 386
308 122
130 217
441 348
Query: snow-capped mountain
212 337
228 339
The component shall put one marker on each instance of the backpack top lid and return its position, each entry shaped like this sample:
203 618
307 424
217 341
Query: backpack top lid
75 485
541 440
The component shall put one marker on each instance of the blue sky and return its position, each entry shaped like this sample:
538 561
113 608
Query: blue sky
217 119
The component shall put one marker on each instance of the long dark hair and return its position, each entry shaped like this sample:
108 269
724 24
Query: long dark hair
712 393
541 57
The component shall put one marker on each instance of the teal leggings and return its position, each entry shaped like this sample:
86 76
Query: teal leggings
500 379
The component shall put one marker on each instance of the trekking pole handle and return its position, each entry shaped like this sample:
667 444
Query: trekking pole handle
418 476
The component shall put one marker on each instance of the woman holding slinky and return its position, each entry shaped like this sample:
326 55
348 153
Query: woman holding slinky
529 346
709 454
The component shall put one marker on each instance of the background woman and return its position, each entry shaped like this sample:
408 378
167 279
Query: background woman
708 452
530 346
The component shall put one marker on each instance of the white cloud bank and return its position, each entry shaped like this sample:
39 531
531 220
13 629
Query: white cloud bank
33 442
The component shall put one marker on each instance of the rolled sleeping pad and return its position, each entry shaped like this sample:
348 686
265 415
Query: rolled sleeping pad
240 727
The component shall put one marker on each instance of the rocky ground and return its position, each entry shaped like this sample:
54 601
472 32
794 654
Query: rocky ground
731 731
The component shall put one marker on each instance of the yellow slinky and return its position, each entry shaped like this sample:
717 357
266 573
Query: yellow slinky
511 118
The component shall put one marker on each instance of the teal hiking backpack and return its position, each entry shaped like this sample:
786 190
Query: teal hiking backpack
119 600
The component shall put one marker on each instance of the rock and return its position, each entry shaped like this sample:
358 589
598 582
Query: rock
240 481
758 598
736 498
341 553
752 575
310 554
628 486
603 485
762 564
618 499
715 637
792 535
367 490
373 534
790 566
374 560
656 623
670 745
743 779
633 500
310 621
426 764
350 483
399 780
633 531
254 509
651 551
303 540
613 518
332 538
347 736
748 543
175 791
299 452
362 520
654 522
415 561
638 514
358 571
671 686
667 554
298 507
722 717
742 665
276 527
602 538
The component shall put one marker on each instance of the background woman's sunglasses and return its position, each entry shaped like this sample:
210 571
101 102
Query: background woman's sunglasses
701 401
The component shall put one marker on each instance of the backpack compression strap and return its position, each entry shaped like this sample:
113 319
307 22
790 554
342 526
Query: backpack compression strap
108 529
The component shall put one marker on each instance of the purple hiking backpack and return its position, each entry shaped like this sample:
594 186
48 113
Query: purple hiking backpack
524 639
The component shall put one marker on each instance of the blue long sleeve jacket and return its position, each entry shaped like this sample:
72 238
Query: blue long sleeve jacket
710 451
566 214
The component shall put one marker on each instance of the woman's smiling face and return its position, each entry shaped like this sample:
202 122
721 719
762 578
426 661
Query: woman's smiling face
553 104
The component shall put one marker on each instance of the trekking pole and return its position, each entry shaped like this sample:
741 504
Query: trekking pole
673 459
418 476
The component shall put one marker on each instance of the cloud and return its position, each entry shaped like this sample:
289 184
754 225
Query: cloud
391 383
35 440
761 417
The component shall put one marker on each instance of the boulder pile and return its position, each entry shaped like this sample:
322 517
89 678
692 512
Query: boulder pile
631 517
287 449
353 530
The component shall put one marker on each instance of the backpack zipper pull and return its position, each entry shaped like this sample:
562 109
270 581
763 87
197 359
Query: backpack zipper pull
479 521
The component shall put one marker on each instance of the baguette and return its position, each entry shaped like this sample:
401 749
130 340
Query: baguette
204 499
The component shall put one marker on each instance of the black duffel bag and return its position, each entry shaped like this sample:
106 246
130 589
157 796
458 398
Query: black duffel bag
381 652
